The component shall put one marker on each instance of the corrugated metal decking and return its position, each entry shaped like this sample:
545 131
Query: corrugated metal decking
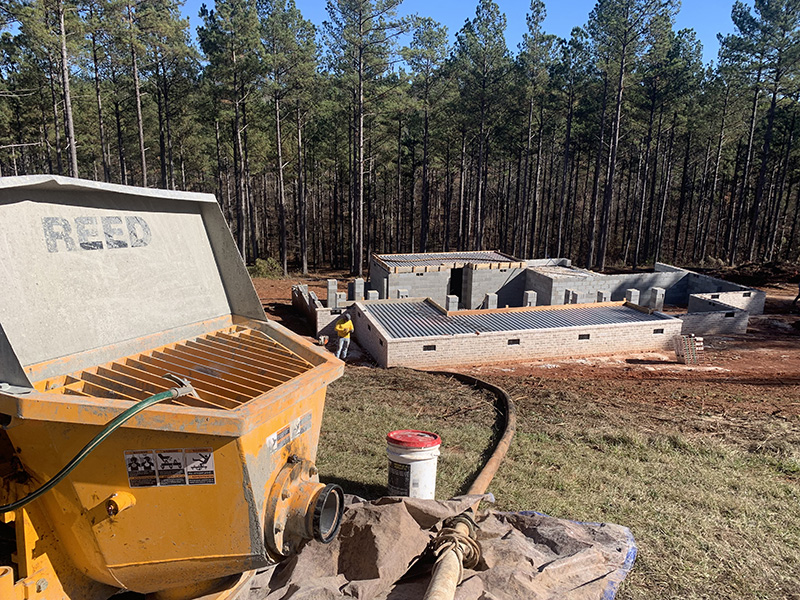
444 258
420 319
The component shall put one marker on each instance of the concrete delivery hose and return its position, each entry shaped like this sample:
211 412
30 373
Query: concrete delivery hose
455 546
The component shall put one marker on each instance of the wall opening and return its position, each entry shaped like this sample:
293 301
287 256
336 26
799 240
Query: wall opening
429 348
583 336
456 282
513 342
659 330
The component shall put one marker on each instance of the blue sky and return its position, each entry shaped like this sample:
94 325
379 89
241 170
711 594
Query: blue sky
706 17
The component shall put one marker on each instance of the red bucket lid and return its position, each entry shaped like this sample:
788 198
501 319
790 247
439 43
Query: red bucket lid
411 438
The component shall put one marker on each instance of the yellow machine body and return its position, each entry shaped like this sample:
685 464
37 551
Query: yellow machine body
188 492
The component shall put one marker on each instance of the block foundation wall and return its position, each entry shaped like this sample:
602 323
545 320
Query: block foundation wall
435 351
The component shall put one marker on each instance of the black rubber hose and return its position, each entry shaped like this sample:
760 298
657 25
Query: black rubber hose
509 413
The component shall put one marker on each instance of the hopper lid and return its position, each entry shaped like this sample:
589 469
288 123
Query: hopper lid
87 265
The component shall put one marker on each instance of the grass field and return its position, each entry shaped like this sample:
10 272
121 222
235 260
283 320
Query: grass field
712 495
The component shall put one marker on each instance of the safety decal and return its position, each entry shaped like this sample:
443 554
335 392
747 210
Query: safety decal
301 425
200 466
279 439
170 467
141 466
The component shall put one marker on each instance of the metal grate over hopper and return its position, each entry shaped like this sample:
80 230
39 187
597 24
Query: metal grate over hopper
228 368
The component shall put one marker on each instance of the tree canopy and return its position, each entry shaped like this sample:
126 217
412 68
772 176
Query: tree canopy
376 134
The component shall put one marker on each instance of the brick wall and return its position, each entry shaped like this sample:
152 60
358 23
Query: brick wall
516 345
370 335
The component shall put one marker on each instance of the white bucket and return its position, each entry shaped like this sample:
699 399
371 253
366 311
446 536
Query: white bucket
412 463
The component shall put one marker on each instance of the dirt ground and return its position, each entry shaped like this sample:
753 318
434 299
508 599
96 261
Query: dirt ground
767 355
700 462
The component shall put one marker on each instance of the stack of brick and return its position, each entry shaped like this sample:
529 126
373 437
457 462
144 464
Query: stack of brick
689 349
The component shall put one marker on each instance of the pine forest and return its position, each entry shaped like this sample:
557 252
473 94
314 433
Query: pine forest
375 133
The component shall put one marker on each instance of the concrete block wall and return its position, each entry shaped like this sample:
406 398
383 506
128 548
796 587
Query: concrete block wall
733 294
587 287
523 345
509 285
303 302
355 289
319 318
708 315
714 322
378 279
421 283
541 284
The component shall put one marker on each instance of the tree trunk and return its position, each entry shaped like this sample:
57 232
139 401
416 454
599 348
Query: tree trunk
564 173
138 96
101 126
301 196
762 174
73 151
612 165
596 178
746 175
281 190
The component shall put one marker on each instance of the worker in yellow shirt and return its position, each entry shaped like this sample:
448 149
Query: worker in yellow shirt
344 327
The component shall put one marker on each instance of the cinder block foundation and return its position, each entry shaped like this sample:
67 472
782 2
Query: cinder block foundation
332 299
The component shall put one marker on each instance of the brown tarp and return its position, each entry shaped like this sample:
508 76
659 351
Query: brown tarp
524 556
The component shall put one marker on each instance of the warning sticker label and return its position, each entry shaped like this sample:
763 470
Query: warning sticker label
141 466
279 439
301 425
170 467
399 479
200 466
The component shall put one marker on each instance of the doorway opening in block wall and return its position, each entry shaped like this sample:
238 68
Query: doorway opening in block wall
456 284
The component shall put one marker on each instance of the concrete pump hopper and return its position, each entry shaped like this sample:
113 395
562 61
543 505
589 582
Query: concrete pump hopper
110 295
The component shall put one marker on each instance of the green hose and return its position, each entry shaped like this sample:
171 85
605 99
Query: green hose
88 448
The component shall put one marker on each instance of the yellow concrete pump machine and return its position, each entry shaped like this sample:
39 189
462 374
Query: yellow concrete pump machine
158 432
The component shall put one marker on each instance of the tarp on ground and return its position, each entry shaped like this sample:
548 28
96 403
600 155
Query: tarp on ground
525 555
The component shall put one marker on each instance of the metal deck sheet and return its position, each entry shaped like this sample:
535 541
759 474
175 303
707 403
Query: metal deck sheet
444 258
420 319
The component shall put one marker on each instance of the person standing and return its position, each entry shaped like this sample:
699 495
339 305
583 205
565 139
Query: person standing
344 327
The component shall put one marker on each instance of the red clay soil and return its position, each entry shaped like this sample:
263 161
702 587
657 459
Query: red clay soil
766 357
